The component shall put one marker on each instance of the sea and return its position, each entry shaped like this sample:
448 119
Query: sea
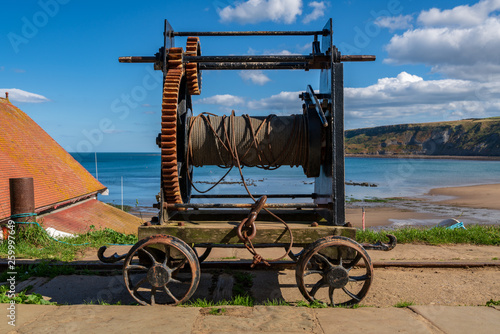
134 178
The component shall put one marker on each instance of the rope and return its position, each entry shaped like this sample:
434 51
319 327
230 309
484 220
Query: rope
22 215
266 143
226 140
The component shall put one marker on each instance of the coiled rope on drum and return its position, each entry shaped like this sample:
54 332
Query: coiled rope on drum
293 150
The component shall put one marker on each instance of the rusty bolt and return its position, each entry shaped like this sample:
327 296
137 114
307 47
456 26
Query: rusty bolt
181 224
314 224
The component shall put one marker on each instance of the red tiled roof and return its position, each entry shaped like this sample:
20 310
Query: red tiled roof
26 150
78 218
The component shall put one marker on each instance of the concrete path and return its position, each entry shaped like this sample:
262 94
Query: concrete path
259 319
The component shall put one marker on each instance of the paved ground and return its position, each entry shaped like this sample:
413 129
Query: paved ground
259 319
427 287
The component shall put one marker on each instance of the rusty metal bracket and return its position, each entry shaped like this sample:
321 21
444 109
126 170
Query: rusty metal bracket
109 259
381 246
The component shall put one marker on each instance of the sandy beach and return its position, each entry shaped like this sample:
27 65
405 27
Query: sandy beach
485 196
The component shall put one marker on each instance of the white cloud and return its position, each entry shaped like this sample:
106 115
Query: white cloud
284 102
318 11
256 77
226 100
255 11
452 45
462 16
394 22
410 98
18 95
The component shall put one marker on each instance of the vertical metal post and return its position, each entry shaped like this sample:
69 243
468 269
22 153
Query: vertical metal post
22 197
338 150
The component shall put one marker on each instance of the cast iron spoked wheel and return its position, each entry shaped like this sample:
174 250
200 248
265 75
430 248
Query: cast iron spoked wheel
334 270
161 269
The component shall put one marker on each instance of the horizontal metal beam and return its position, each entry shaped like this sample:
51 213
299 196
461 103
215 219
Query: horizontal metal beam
253 66
250 33
140 59
242 206
248 58
256 196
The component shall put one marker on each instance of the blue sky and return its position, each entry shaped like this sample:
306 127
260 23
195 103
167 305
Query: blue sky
436 61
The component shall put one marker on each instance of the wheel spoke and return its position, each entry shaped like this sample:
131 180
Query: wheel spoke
153 292
138 285
350 294
183 262
331 290
323 259
354 262
310 272
167 290
167 256
316 287
359 278
149 254
136 267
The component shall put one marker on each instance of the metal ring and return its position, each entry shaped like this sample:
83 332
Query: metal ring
239 232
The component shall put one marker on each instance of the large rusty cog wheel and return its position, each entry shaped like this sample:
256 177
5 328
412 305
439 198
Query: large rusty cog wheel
168 137
192 72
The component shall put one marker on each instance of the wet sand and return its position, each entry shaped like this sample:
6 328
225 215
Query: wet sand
485 196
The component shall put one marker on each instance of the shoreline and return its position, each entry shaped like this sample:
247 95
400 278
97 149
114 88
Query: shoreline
436 157
485 196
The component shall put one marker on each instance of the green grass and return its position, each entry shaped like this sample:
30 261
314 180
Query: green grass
22 297
314 304
101 302
217 311
42 269
235 301
32 241
276 302
476 235
403 304
492 302
229 258
242 283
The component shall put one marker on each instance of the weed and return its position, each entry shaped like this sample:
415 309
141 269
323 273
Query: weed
229 258
492 302
403 304
314 304
242 283
42 269
276 302
22 297
494 258
34 242
217 311
101 302
235 301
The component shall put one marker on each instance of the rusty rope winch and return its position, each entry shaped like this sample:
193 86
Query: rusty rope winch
164 266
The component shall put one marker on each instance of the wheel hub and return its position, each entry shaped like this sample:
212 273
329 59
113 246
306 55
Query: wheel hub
158 276
337 277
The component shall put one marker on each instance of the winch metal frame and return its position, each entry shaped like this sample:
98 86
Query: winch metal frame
168 243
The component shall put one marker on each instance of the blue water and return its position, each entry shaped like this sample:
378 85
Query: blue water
394 177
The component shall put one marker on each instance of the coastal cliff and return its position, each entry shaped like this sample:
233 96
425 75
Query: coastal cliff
469 137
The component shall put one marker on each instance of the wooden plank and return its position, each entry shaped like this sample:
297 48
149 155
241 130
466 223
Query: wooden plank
225 233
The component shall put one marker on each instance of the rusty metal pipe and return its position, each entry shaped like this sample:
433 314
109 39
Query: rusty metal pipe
22 197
